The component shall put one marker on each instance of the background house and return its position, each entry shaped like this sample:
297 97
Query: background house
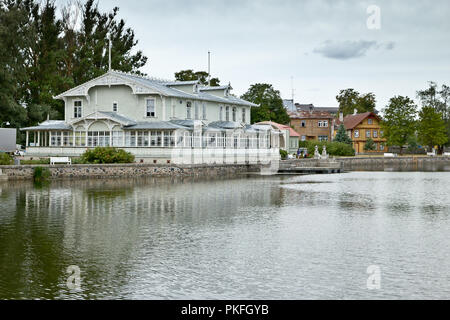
312 125
361 127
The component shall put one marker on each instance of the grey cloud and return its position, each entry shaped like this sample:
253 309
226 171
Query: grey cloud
345 50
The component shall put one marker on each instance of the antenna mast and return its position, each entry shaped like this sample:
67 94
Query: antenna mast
110 45
209 68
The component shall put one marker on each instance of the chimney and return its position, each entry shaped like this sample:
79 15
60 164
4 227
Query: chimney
341 117
355 111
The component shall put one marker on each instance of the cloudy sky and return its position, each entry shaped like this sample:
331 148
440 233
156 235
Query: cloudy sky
325 45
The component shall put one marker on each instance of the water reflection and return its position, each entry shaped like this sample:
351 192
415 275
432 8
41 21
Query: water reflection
241 238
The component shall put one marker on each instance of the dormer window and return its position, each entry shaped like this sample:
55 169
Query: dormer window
77 108
196 88
227 92
115 106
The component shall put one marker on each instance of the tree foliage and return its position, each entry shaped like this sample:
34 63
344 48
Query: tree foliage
270 104
342 136
350 99
431 127
399 121
202 76
42 54
370 145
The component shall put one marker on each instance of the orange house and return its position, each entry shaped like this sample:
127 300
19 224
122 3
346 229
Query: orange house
361 127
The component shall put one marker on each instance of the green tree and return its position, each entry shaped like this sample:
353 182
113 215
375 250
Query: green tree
13 25
342 136
202 76
370 145
270 104
399 121
431 128
350 99
92 42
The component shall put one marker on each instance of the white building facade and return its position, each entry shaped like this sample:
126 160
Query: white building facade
158 121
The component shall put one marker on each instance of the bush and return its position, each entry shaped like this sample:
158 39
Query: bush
5 159
283 154
339 149
41 174
370 145
106 155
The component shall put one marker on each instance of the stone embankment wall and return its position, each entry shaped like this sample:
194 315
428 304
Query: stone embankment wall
375 163
124 170
428 164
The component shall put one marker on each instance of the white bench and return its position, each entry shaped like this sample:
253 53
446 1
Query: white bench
390 155
65 160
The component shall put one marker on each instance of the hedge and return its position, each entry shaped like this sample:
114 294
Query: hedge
333 148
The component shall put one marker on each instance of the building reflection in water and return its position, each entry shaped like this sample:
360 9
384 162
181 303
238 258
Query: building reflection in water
107 228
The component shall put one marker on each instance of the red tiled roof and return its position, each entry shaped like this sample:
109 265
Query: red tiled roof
292 132
310 115
352 121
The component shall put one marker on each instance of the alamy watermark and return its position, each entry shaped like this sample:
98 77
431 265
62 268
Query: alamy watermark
374 280
374 19
74 280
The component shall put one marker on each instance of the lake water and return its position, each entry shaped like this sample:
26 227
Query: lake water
252 237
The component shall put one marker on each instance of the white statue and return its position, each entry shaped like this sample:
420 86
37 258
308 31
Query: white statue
324 153
316 153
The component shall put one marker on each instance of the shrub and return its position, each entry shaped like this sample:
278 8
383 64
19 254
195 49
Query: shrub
339 149
41 174
283 154
106 155
370 145
5 159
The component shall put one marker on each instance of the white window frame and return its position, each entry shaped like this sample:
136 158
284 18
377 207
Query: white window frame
146 108
375 133
369 121
227 113
77 110
368 134
233 114
220 113
188 110
356 134
244 115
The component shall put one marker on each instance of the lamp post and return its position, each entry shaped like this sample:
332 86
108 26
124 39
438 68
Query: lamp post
6 123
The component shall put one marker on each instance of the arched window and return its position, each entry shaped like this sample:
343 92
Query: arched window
227 113
243 115
221 113
234 114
